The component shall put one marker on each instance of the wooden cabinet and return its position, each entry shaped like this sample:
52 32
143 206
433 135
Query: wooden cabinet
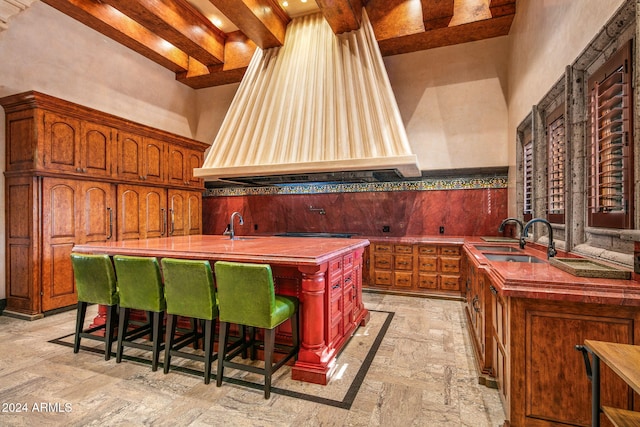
420 268
73 212
140 159
540 375
182 161
142 212
499 340
342 300
184 213
75 175
479 317
72 145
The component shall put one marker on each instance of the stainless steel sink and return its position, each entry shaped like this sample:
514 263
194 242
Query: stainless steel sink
512 258
488 248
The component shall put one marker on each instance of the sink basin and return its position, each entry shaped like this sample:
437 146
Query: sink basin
497 248
512 258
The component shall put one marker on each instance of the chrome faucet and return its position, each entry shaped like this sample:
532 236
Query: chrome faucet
230 231
551 249
516 220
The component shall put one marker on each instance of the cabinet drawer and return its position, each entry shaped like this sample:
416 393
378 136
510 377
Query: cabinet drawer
427 263
347 262
382 278
449 265
383 247
335 266
428 281
450 283
427 250
382 261
403 249
403 280
403 262
450 250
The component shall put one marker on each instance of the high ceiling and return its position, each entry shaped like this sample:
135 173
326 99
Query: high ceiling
210 42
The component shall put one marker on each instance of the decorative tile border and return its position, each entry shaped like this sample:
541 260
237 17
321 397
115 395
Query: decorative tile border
464 183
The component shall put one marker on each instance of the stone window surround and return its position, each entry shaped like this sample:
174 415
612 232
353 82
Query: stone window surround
574 235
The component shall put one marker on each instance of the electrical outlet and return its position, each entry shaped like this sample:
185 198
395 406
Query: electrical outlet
386 228
255 227
442 229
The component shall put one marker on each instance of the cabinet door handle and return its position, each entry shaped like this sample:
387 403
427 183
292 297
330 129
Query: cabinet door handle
110 235
336 286
173 225
164 221
475 304
493 290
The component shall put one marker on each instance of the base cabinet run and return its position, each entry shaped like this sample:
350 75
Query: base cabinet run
74 176
420 268
539 373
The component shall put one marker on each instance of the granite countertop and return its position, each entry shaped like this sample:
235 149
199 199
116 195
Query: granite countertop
544 281
289 250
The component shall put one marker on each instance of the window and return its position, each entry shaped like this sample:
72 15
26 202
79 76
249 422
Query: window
609 150
527 157
556 164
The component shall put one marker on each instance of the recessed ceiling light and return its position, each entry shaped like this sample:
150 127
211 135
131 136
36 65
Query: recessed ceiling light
285 3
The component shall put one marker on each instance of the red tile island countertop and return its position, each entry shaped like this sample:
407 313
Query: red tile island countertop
324 273
545 282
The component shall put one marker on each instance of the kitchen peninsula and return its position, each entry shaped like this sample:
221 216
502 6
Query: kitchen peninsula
324 273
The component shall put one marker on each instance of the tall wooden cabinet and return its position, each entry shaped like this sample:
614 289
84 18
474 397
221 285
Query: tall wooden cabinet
76 175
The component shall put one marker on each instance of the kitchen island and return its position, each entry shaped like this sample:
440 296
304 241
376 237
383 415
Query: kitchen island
324 273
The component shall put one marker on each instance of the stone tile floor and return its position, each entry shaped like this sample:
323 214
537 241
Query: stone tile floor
422 374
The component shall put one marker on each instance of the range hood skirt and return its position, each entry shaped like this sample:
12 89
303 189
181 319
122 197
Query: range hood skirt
320 103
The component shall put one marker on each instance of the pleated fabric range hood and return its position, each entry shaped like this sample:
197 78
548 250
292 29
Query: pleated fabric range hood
321 103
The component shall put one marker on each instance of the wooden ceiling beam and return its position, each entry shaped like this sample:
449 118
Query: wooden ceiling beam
436 13
263 21
502 7
238 52
342 15
465 33
113 24
180 24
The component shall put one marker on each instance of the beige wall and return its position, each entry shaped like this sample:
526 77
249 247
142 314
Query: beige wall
453 103
545 37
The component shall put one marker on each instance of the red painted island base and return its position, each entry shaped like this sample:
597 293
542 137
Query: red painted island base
325 274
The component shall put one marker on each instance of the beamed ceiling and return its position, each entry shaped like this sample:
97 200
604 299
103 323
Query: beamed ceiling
210 42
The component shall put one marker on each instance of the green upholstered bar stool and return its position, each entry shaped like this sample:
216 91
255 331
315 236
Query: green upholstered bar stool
246 296
140 287
189 292
96 284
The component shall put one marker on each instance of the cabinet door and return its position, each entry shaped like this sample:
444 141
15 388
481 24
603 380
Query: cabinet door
129 157
97 215
153 161
22 249
142 212
178 165
61 143
185 212
194 160
61 201
96 149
